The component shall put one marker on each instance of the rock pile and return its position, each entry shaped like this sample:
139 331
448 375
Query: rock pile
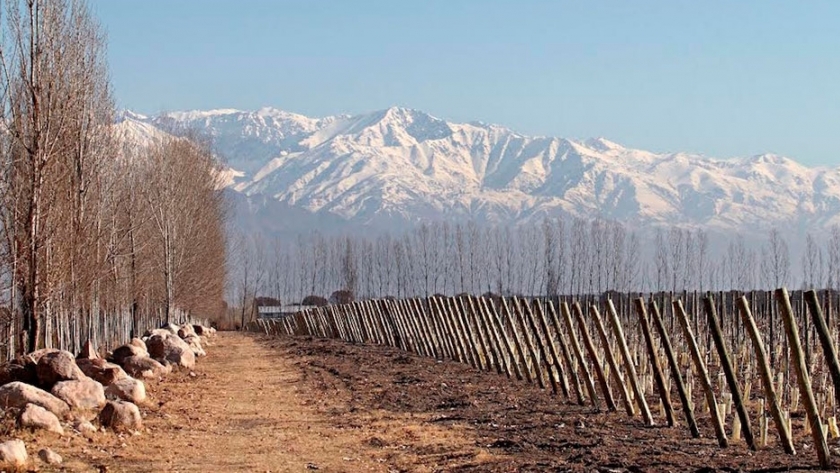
53 391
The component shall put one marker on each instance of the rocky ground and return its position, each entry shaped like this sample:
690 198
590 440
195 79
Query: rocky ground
57 407
302 404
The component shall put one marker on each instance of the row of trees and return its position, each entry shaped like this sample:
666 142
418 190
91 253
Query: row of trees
98 234
558 256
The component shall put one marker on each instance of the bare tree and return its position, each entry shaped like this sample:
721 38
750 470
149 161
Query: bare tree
775 260
661 260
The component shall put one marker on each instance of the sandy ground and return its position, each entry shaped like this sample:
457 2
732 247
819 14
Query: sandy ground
276 405
245 410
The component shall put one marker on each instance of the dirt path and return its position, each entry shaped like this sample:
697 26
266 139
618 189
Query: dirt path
244 411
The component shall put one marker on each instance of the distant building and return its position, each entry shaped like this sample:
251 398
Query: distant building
276 311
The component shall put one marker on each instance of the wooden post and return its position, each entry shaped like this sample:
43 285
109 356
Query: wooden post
544 353
525 337
614 369
564 350
803 378
489 307
416 323
593 357
664 395
729 371
484 355
488 337
363 325
702 373
825 340
435 337
552 348
405 339
478 330
466 334
517 343
441 329
766 375
390 324
587 377
426 334
449 330
628 364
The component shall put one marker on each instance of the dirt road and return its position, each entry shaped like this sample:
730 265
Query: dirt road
277 405
246 410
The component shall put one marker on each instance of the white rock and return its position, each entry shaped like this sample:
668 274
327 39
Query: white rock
128 389
121 416
13 452
80 393
36 417
17 394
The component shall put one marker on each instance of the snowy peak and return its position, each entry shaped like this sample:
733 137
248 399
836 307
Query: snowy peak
398 127
603 145
405 165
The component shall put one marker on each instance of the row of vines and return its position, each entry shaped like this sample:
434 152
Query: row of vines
759 368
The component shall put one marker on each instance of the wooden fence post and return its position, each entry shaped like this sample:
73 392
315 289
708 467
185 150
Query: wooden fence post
729 371
567 357
463 333
446 323
825 340
543 352
483 334
803 379
587 377
766 375
517 343
702 373
593 357
664 395
446 343
614 369
628 364
552 347
489 307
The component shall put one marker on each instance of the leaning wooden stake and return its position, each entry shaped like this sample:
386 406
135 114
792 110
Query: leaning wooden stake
766 376
729 371
530 343
593 357
614 370
628 364
490 308
802 378
664 395
564 349
518 343
484 337
702 373
825 340
545 354
555 356
587 377
495 339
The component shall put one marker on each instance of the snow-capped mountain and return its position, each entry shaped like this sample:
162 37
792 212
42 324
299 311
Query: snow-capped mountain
399 166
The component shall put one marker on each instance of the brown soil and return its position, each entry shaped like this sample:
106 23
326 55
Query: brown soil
260 404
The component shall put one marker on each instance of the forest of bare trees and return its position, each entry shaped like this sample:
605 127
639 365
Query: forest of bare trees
555 257
99 237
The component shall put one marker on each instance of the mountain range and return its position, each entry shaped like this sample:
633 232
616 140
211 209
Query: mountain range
391 168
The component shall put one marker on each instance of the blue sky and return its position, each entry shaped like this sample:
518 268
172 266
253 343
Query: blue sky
721 78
